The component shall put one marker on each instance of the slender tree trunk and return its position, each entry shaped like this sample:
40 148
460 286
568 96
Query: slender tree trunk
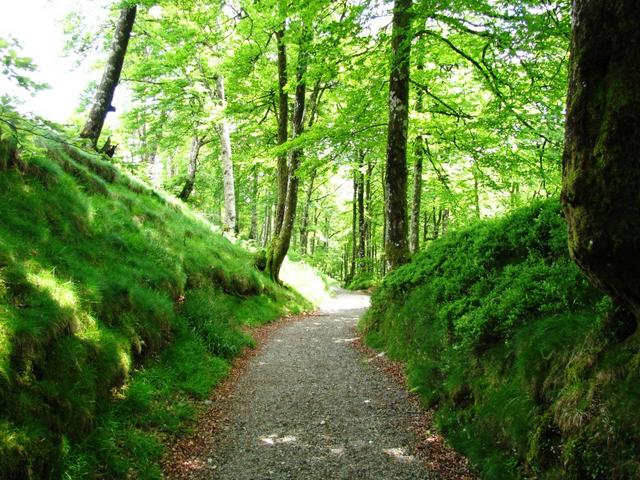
230 220
304 224
253 230
266 226
196 144
601 166
383 263
110 77
414 225
414 241
369 214
361 218
354 226
476 190
425 225
283 239
396 248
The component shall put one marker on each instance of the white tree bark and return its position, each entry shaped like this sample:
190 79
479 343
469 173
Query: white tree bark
230 218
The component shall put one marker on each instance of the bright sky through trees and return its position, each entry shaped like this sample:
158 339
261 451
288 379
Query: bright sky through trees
38 26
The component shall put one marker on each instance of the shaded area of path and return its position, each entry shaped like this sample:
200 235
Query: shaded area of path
308 406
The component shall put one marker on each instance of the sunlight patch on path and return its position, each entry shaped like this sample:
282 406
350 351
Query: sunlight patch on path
344 300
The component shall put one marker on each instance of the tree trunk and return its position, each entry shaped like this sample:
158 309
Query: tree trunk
282 240
110 77
253 231
354 225
196 144
230 222
283 135
266 226
601 165
361 218
414 227
304 225
476 191
368 214
396 249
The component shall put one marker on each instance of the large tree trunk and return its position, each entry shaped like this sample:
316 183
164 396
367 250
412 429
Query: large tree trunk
601 166
110 77
283 239
196 144
230 222
396 249
283 135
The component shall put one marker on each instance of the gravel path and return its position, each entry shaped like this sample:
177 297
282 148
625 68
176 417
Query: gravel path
309 407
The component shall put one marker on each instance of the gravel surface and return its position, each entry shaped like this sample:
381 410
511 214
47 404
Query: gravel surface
309 406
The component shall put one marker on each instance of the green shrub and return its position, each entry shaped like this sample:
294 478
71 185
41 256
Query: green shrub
505 336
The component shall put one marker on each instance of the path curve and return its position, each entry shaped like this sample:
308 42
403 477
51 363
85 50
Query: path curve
310 407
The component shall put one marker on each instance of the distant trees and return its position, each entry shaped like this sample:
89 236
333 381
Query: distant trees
601 174
485 130
110 77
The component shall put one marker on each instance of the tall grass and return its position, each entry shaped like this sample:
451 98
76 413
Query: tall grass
119 310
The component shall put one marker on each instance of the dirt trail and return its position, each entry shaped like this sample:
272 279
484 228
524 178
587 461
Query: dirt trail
308 406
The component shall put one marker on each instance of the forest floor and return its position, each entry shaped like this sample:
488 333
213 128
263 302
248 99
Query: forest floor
312 402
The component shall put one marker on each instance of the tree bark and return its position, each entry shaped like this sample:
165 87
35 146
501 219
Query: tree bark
396 248
304 224
230 221
414 227
354 226
110 77
362 233
283 134
282 240
196 144
253 230
601 165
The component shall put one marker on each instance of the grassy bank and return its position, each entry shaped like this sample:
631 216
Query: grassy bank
530 374
119 309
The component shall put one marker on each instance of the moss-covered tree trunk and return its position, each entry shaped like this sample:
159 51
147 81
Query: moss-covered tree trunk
601 167
110 77
396 248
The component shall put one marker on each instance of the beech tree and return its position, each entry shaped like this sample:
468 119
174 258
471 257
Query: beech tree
601 168
110 77
396 248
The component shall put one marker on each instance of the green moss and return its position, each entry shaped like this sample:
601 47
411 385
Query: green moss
503 333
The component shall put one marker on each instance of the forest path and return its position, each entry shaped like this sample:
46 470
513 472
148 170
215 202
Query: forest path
309 406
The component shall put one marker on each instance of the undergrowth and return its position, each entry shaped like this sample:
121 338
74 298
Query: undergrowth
518 353
119 310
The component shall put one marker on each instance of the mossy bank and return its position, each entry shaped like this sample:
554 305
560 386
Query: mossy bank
119 309
529 371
